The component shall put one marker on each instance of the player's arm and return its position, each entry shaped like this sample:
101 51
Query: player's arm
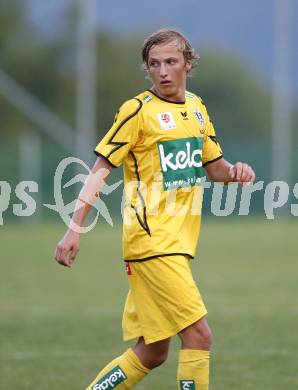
224 172
112 150
67 249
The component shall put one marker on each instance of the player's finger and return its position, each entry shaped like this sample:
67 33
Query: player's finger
239 168
64 264
73 255
57 253
253 176
62 258
250 176
232 172
245 175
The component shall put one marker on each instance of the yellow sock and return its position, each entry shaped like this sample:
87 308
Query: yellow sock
121 373
193 370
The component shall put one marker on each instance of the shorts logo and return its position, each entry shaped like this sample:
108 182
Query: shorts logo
187 385
181 162
166 120
128 269
110 380
199 116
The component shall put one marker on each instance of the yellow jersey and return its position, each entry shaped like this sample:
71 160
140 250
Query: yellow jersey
163 147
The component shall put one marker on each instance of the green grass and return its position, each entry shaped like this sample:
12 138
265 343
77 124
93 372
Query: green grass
58 327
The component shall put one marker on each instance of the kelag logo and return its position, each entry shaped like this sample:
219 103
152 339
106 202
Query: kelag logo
187 385
110 380
181 162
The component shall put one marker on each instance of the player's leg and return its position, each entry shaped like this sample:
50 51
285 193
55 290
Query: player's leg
154 354
130 368
193 368
197 336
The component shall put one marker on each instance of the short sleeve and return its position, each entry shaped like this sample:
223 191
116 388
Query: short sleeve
211 149
123 135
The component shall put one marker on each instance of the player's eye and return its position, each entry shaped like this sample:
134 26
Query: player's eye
153 64
172 61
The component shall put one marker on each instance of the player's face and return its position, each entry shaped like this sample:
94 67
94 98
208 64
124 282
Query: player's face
168 70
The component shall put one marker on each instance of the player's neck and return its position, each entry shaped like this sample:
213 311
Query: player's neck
175 98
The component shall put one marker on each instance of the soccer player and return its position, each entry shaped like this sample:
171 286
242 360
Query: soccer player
165 140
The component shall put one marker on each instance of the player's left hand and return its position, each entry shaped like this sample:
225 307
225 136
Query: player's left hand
242 173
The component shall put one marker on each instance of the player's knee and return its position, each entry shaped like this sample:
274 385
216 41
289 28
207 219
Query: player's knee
204 336
197 336
160 359
156 360
208 338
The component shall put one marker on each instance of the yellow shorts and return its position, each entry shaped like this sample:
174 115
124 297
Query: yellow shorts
163 299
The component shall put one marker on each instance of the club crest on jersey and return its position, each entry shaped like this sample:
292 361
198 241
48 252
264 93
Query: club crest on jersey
199 116
166 120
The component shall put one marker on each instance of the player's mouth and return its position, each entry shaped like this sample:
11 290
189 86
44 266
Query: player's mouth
165 82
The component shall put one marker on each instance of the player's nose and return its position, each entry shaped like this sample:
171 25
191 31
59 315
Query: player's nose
163 71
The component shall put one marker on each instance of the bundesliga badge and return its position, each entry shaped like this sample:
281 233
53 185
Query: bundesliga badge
167 121
199 116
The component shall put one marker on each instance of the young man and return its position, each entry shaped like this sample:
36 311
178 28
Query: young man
164 138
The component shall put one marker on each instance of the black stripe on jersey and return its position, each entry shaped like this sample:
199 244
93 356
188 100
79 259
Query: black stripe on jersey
104 157
155 256
119 145
143 222
211 161
213 138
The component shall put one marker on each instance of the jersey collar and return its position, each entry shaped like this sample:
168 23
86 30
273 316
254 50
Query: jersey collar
165 100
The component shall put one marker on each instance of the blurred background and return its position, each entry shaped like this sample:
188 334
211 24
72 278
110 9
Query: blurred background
65 68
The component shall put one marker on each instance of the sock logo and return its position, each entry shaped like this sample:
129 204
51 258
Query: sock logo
187 385
110 380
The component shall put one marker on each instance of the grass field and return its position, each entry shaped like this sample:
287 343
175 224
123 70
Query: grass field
58 327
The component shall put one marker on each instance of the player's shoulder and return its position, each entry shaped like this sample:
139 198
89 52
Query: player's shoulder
131 104
129 108
194 98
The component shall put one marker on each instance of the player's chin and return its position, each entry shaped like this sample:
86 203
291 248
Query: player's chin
166 88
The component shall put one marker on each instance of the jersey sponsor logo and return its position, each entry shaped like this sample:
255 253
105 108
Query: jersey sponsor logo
110 380
166 120
199 116
187 385
181 162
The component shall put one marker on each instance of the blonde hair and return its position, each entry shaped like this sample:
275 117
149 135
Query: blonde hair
166 35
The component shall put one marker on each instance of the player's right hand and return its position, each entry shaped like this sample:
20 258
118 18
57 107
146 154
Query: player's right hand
67 249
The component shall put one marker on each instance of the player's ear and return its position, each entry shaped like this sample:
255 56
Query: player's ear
188 65
146 70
